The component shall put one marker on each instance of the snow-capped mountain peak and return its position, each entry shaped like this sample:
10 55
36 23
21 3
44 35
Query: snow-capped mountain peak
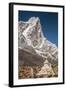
30 34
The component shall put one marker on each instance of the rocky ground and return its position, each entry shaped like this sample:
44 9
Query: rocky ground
26 72
32 65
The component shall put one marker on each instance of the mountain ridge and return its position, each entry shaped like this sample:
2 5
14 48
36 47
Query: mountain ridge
32 36
35 50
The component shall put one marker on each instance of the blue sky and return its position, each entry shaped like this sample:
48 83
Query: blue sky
49 22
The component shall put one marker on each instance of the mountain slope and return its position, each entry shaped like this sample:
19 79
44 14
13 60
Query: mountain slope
36 53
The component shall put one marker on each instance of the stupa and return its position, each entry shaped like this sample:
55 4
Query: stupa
46 70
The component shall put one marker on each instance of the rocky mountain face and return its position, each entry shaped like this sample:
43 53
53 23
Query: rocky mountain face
34 48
